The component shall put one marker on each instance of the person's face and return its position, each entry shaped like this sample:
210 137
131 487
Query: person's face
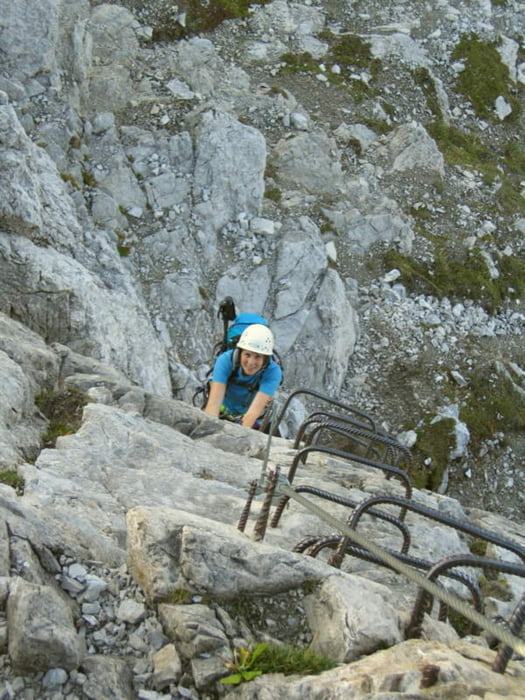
251 362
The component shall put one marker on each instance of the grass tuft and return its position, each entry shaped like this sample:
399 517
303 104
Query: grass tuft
13 479
270 658
435 442
485 76
63 409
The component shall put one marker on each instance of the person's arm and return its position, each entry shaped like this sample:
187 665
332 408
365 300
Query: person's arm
213 405
257 406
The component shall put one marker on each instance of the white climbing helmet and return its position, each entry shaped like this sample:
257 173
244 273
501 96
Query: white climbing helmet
257 338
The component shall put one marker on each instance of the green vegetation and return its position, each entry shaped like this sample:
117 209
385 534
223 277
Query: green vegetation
353 56
88 179
13 479
478 547
310 585
491 404
299 63
435 442
63 409
464 278
268 658
201 16
71 180
351 51
461 624
378 125
510 201
495 587
485 76
464 149
423 78
123 248
74 141
504 167
273 193
178 596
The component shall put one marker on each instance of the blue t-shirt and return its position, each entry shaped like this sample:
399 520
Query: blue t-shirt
241 388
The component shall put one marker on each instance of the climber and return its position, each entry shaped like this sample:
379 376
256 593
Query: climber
245 378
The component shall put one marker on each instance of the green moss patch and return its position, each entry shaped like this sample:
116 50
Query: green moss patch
498 588
201 16
424 80
63 409
178 596
503 165
478 547
485 76
463 148
435 442
491 405
299 63
353 52
13 479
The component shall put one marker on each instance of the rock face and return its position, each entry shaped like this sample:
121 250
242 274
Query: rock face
332 169
144 180
130 566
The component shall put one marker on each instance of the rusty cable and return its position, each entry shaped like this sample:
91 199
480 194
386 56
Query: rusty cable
452 600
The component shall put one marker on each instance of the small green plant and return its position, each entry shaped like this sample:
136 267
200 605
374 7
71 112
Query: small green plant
352 51
63 409
310 585
299 63
510 201
88 179
13 479
67 177
425 81
435 442
270 658
478 547
494 587
491 405
273 194
461 624
204 474
244 665
178 596
123 248
380 126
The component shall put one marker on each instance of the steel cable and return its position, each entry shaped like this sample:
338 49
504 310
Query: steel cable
511 640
